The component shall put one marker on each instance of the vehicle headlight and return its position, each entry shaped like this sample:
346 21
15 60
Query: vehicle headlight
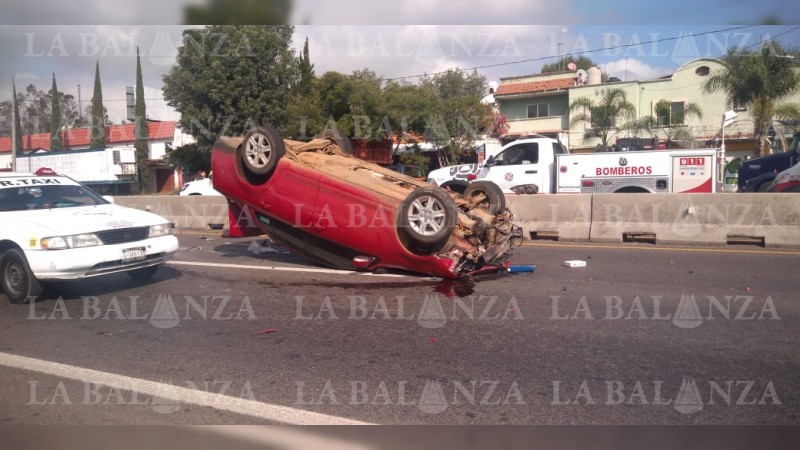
161 229
74 241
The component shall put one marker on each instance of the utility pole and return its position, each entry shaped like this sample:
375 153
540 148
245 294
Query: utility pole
80 104
14 130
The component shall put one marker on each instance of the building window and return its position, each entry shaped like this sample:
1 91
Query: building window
738 105
538 110
116 157
702 71
670 113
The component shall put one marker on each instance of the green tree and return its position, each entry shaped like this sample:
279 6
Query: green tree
97 114
306 69
16 119
458 118
760 80
227 79
606 116
141 130
671 120
242 12
55 118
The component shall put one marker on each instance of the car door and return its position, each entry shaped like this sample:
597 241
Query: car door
515 166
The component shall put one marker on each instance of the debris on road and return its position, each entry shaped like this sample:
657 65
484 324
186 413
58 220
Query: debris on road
522 269
575 263
268 331
258 249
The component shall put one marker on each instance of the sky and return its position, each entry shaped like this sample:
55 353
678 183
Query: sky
503 38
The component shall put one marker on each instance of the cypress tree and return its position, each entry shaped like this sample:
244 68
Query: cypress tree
55 118
141 130
97 118
16 119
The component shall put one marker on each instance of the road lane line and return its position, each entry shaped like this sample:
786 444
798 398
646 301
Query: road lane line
295 269
266 411
664 249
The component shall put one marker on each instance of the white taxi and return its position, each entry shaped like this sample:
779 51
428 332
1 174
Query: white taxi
788 180
54 228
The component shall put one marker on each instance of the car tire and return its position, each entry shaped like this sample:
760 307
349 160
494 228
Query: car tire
17 280
143 273
342 141
261 149
427 217
763 186
495 201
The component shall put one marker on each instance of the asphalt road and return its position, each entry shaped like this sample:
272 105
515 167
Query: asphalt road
228 333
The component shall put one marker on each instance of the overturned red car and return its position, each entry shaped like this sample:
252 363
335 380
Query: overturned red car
319 200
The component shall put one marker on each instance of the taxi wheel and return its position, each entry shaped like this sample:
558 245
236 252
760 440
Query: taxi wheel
16 277
143 273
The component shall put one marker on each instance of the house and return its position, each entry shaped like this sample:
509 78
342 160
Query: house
540 104
162 137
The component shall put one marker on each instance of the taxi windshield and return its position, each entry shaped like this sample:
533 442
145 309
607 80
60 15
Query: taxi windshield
22 198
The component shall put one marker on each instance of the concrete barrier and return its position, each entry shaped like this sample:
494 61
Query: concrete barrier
189 212
566 217
707 219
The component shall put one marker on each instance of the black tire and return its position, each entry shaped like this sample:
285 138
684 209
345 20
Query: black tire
17 280
342 141
495 201
455 186
261 149
763 186
427 217
143 273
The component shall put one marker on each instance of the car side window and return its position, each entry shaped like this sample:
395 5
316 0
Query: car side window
527 153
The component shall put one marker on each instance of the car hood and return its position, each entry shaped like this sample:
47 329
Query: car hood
81 219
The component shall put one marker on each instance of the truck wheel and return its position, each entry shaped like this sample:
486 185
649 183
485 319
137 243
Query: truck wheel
763 186
16 277
495 200
261 150
455 186
143 273
427 217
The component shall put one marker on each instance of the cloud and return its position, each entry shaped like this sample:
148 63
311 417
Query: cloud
634 69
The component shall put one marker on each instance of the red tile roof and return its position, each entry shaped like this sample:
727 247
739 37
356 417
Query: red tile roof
534 86
75 138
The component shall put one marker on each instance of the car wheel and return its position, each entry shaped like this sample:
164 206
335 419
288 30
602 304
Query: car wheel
143 273
261 149
343 142
493 198
428 216
763 186
16 277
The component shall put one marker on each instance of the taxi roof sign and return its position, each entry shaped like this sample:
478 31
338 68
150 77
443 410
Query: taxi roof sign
45 171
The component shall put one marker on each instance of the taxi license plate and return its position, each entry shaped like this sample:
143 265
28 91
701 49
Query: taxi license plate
133 254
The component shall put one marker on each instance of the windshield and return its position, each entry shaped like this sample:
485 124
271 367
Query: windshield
21 198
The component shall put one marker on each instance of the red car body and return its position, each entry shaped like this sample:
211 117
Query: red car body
333 208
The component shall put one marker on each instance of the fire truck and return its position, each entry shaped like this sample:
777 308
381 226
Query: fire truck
543 165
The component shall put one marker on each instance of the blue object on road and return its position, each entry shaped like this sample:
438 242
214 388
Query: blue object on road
521 269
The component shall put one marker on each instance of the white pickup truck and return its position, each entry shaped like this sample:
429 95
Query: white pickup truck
543 165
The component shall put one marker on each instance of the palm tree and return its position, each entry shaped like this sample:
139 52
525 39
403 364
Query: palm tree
674 123
603 114
758 80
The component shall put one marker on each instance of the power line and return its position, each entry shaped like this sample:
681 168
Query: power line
542 58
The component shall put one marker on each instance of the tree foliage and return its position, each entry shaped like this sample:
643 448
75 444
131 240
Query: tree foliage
97 114
16 120
141 130
241 12
55 118
760 80
228 79
606 115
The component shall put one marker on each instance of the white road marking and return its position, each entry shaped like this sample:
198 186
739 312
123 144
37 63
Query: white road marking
266 411
297 269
